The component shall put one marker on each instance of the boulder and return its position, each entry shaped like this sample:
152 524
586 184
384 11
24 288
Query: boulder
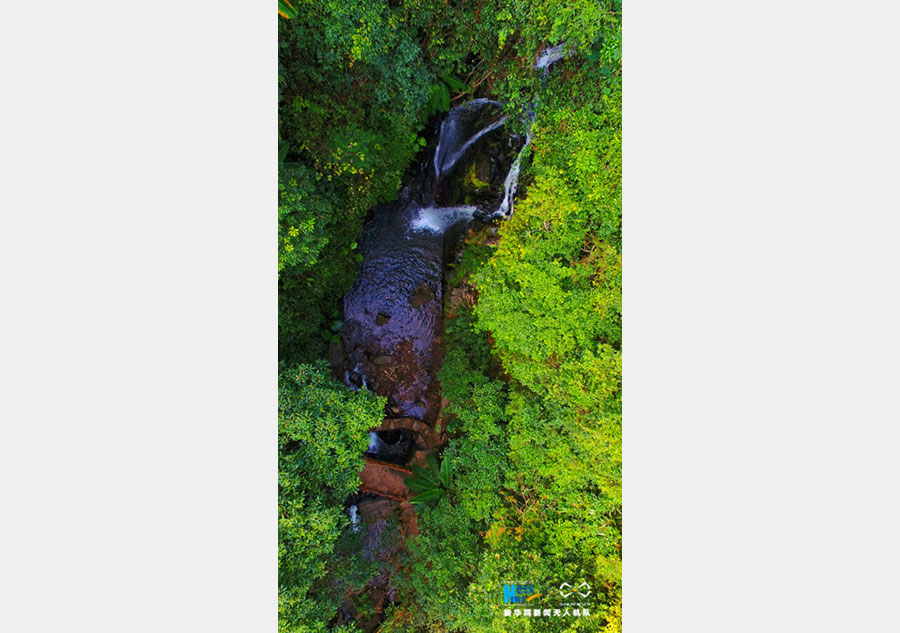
421 296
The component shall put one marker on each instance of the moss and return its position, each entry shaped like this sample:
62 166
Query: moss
472 181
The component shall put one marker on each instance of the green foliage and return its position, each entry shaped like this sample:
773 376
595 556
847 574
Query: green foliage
353 88
539 455
317 262
439 98
321 438
431 484
286 9
550 297
306 219
446 556
357 82
441 561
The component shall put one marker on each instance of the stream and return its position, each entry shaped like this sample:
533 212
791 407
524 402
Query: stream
393 314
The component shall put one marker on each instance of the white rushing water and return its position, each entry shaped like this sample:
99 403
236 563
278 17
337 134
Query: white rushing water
512 179
451 129
356 380
550 56
439 219
546 59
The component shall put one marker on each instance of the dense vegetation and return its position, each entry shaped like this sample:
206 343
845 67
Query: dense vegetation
314 478
532 371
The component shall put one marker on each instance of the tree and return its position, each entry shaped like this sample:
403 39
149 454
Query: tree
321 439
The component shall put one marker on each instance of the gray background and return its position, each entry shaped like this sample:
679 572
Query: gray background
138 338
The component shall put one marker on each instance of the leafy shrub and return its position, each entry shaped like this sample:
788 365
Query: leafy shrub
321 438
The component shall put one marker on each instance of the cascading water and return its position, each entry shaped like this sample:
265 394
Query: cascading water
512 179
457 126
550 56
375 443
392 313
547 58
389 446
439 219
353 513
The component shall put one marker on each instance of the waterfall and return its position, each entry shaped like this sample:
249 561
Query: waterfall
356 379
353 513
439 219
512 179
546 59
448 150
550 56
393 311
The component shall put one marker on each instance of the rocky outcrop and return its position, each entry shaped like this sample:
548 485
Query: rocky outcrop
384 479
424 436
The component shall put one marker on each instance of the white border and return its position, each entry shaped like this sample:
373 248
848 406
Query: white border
138 339
137 458
761 345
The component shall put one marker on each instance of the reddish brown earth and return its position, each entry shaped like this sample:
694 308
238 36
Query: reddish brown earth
384 479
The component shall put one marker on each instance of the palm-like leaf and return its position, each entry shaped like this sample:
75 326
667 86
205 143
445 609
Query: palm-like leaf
419 485
446 474
421 473
286 9
430 483
429 495
433 465
453 82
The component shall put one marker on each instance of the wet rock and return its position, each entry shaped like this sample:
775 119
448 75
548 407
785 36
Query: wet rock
392 446
463 296
335 354
479 177
421 296
462 129
402 266
416 411
377 509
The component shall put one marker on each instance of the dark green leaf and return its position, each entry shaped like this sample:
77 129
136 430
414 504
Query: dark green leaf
445 96
419 485
454 83
433 465
430 495
424 474
445 473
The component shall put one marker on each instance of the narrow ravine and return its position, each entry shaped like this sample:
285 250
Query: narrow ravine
393 314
